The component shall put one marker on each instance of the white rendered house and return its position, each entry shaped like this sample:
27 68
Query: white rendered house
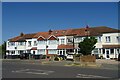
62 42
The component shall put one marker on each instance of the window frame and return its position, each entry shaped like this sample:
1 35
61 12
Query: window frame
108 39
62 41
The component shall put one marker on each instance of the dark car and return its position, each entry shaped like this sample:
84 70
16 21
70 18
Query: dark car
24 55
62 56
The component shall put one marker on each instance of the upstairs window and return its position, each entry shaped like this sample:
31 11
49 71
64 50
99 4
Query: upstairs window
29 44
108 39
99 39
21 43
52 42
79 39
118 38
41 42
69 40
35 43
62 41
12 43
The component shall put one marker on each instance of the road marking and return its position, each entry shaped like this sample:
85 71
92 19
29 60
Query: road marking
34 71
89 76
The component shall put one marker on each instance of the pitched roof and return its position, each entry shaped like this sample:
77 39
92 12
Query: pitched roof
40 38
43 34
29 36
15 39
104 29
93 31
22 38
52 38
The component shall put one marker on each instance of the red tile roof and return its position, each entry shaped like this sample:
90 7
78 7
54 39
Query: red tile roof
93 31
52 38
22 38
15 39
62 46
111 46
40 39
34 48
43 34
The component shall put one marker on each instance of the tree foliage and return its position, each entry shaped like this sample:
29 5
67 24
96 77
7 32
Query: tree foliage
4 48
87 45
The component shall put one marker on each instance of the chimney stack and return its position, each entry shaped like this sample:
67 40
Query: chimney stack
21 34
50 31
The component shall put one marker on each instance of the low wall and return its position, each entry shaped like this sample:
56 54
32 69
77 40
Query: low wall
87 58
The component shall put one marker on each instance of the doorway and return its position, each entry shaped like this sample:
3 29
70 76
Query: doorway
107 53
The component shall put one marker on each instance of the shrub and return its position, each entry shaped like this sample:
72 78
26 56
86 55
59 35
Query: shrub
77 55
56 59
87 45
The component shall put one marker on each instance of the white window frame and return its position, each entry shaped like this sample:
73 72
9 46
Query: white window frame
62 41
52 51
118 39
21 43
52 42
41 51
29 43
12 43
99 39
42 42
108 39
35 43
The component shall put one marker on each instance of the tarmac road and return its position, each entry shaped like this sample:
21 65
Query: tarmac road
15 69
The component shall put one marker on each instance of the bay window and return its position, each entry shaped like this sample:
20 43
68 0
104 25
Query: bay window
21 43
52 42
52 51
41 51
41 42
12 43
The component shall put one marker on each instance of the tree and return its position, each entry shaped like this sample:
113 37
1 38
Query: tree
4 48
87 45
1 49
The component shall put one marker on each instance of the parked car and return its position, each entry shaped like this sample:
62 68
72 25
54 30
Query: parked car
24 55
62 56
69 57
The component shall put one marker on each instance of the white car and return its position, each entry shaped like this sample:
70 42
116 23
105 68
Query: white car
69 57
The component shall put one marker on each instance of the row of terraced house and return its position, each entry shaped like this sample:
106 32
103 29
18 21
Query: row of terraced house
63 42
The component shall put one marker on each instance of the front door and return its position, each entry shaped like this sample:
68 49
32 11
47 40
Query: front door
107 53
33 54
